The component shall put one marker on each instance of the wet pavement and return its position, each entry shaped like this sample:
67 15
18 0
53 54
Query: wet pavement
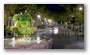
64 41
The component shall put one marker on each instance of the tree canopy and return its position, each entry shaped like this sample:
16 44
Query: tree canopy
64 14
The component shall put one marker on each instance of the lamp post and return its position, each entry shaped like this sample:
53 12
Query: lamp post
38 16
49 20
77 31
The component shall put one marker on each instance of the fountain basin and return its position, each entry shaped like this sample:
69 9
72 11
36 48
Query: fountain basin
44 44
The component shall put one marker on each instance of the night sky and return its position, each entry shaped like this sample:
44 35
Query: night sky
54 6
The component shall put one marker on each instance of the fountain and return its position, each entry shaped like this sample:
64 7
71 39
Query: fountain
55 30
38 40
28 40
13 42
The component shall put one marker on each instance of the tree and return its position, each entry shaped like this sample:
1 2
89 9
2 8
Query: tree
23 26
72 13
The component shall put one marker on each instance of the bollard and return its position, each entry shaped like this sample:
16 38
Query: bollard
68 34
77 35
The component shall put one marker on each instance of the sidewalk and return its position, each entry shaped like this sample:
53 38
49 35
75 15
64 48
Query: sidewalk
68 44
62 42
75 46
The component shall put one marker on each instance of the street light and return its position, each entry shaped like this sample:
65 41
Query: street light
38 38
21 13
25 11
61 22
80 8
66 23
49 20
42 22
38 16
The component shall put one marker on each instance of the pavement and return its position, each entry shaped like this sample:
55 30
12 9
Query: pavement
75 46
62 41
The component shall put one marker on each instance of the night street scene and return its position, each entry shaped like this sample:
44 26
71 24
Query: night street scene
43 26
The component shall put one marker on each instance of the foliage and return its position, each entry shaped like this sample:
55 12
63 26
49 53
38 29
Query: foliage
23 27
65 14
73 10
